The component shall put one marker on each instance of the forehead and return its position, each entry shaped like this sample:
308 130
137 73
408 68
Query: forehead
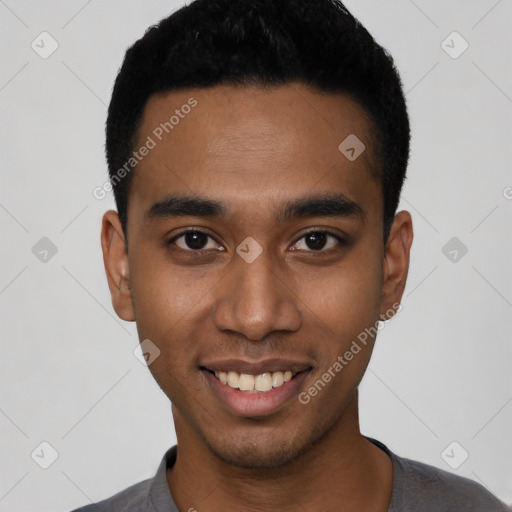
244 143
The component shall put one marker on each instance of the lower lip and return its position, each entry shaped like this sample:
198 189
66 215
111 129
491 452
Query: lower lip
255 404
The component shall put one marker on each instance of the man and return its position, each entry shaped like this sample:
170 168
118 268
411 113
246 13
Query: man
257 149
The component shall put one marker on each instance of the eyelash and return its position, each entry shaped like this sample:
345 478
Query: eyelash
342 242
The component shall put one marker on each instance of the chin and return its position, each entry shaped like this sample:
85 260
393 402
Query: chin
253 455
277 449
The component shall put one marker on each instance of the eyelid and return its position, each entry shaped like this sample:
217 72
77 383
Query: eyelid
326 231
192 230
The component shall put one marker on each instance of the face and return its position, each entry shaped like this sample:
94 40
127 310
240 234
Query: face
255 248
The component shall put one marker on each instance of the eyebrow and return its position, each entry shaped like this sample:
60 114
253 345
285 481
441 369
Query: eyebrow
330 205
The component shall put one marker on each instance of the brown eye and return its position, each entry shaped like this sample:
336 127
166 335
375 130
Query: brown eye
318 241
194 241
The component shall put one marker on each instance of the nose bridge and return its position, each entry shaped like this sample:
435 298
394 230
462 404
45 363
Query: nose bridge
254 301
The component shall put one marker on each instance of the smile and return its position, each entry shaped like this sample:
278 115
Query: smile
254 383
255 388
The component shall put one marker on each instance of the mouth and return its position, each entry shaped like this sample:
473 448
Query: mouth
255 390
248 383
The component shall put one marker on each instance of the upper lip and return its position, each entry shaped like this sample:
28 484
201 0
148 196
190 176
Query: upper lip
256 368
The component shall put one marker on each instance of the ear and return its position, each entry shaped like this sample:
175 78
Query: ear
396 263
117 269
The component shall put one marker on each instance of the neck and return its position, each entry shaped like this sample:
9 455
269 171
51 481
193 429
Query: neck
343 471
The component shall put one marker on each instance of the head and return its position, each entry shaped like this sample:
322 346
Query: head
258 225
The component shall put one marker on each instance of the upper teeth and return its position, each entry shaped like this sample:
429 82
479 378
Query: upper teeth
261 382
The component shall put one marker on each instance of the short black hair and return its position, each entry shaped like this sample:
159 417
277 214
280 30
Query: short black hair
317 43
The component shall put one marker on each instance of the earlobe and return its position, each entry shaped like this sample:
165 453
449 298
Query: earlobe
396 262
116 264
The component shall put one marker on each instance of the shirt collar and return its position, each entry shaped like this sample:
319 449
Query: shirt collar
159 497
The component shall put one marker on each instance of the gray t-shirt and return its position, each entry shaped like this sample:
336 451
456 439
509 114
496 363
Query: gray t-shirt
417 487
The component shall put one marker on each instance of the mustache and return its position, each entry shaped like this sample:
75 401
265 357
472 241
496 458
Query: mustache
277 346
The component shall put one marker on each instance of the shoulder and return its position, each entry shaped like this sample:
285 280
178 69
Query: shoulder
144 495
421 487
130 499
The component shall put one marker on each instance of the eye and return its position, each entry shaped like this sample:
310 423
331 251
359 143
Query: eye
194 240
317 241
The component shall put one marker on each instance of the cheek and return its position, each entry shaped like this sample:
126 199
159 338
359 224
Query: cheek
163 294
346 312
172 307
346 299
167 311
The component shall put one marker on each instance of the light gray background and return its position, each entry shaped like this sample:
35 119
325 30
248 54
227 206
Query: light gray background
441 370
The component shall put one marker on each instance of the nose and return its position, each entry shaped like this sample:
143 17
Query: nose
256 300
